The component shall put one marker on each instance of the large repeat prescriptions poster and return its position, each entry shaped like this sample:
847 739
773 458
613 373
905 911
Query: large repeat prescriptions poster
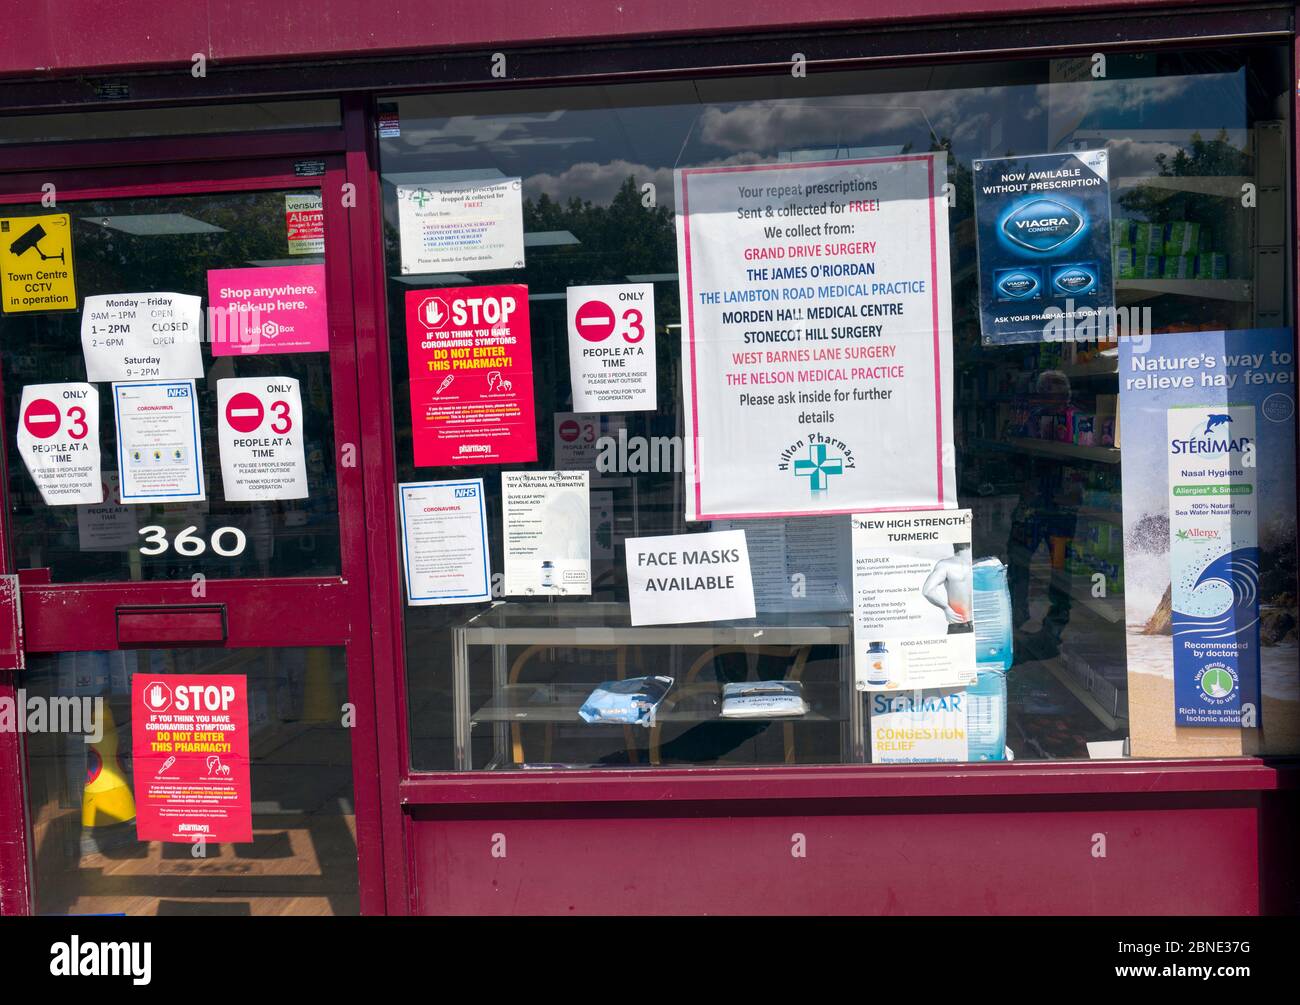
816 337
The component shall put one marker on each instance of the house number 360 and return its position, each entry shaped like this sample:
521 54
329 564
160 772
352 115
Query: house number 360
189 544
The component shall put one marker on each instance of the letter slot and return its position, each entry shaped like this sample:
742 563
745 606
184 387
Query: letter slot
171 625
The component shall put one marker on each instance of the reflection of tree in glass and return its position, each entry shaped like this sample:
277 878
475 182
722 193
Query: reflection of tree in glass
621 239
1199 159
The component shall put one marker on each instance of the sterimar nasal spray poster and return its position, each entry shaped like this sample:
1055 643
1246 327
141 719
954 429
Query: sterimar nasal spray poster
1043 237
1209 504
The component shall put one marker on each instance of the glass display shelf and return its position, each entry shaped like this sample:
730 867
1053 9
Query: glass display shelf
582 625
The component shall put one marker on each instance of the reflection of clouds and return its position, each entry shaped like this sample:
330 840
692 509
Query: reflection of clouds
1080 99
762 131
785 125
1131 158
473 129
599 183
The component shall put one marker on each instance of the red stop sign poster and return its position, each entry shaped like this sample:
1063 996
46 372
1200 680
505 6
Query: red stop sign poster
189 745
471 364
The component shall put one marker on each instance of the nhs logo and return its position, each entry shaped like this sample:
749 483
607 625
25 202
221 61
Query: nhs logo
178 392
1042 225
466 493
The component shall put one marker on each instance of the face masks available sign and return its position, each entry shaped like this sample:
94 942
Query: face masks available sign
259 429
134 336
816 338
1209 486
471 368
612 347
913 600
685 578
1044 246
189 746
58 438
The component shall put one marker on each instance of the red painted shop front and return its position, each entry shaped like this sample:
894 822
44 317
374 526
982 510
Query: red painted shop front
408 756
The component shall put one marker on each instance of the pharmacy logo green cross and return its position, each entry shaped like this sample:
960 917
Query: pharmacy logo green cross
818 467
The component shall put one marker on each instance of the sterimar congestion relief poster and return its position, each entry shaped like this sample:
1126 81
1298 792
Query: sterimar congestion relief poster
816 337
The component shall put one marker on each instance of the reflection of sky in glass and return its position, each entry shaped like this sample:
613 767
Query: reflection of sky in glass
587 153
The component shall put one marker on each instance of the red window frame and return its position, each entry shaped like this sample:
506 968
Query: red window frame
269 612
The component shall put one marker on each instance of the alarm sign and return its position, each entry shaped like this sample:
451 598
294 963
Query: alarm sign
58 437
612 347
261 438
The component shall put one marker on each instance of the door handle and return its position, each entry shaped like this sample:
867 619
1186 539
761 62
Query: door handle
171 624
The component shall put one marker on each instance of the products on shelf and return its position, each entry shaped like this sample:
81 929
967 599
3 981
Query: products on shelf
764 699
1178 249
631 702
986 715
992 605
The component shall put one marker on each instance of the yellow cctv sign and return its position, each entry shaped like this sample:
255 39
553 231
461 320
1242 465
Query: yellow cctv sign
36 264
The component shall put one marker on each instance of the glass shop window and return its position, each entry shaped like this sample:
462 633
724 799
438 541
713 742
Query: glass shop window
926 414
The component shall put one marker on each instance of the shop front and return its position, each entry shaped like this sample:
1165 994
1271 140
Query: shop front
652 465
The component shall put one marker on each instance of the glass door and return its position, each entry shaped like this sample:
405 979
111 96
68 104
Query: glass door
204 376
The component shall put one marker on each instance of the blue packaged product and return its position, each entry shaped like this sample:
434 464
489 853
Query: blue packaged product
992 604
1018 284
631 702
986 715
1075 280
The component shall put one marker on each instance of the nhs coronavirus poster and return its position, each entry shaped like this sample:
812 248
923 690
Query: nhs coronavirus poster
816 337
1209 503
1043 236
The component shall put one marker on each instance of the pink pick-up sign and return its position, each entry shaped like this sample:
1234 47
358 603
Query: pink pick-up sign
271 310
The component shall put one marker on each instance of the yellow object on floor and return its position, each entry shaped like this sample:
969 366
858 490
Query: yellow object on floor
107 798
